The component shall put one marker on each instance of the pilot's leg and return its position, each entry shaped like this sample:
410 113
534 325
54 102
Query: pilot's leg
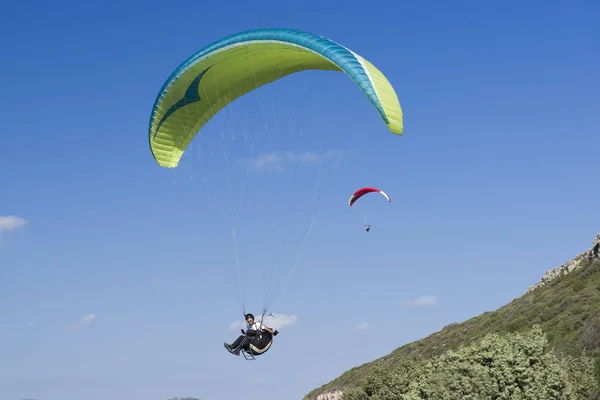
233 347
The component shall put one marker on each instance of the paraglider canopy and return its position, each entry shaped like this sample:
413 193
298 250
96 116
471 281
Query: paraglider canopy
361 192
230 67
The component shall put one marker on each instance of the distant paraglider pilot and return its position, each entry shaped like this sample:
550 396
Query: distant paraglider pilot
361 192
255 340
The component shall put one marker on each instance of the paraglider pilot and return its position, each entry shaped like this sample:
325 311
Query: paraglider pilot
252 329
367 228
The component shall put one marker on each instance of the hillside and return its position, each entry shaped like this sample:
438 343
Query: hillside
565 304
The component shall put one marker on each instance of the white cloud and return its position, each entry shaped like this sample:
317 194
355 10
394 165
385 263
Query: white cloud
278 321
11 223
272 161
236 325
424 301
83 322
275 161
364 326
275 321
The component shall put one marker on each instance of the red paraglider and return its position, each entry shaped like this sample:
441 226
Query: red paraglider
361 192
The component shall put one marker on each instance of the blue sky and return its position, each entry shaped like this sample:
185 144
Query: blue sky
119 280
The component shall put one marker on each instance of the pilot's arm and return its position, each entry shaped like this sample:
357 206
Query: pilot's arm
266 328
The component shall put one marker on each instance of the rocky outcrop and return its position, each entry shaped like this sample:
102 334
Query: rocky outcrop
337 395
590 255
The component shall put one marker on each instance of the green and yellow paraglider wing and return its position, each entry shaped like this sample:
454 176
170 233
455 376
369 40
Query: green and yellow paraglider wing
231 67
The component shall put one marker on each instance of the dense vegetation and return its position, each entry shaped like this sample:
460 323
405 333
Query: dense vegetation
513 366
567 310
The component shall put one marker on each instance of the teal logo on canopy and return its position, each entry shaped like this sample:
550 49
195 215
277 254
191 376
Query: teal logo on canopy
191 96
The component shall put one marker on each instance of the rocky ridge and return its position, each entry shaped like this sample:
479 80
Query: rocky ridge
570 266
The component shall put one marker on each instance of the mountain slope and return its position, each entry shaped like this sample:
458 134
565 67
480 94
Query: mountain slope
565 303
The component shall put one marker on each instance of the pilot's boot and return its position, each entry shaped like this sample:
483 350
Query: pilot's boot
231 349
228 347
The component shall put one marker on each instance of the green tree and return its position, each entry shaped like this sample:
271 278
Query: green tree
513 366
499 367
579 374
